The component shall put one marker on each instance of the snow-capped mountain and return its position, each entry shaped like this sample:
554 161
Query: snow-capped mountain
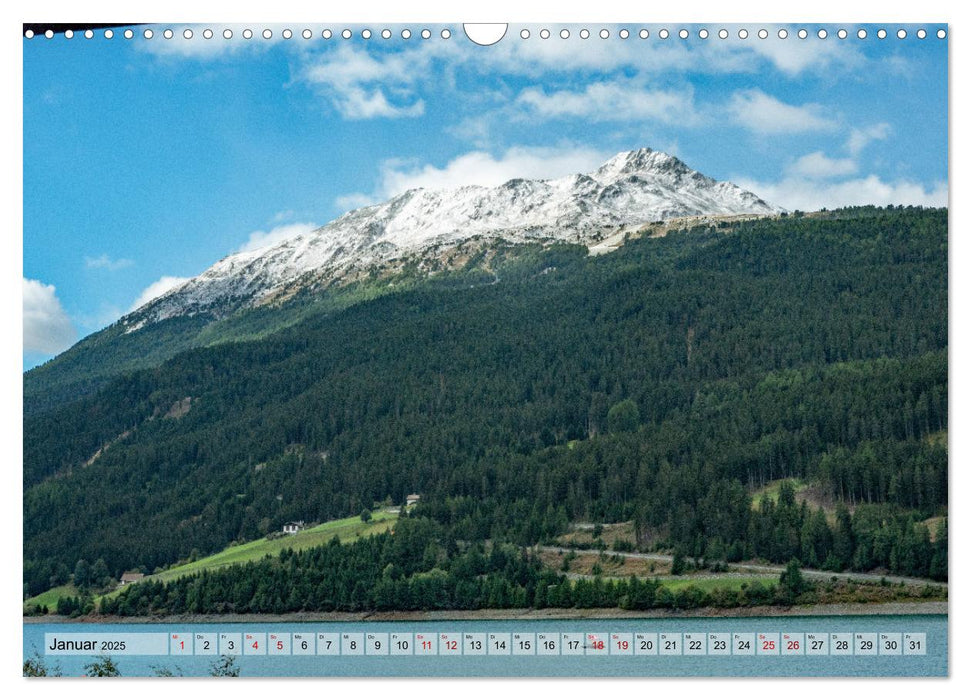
631 189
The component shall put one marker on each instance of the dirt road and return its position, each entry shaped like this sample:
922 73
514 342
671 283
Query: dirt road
755 568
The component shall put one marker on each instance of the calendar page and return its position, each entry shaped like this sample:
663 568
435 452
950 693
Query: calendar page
441 349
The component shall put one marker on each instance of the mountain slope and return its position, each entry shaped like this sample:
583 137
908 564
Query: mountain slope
791 347
249 294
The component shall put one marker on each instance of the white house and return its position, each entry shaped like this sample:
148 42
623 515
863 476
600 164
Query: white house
293 528
412 499
130 577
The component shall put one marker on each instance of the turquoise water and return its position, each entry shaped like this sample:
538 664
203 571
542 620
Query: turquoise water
934 663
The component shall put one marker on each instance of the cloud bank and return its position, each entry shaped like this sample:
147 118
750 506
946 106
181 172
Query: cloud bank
157 289
264 239
478 168
814 194
47 328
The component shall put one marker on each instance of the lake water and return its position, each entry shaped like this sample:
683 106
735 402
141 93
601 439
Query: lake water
933 663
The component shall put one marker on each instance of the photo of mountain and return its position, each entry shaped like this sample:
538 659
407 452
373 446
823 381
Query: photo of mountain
620 324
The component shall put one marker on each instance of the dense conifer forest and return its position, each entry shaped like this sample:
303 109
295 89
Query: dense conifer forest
662 384
420 568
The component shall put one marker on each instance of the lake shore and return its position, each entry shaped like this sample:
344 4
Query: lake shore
833 610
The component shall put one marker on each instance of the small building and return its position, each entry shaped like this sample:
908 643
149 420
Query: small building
412 499
130 577
293 527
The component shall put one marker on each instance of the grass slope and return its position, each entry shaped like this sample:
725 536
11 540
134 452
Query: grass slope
345 529
50 597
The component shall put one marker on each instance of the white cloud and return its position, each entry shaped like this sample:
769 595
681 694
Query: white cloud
262 239
819 166
363 86
157 289
104 262
611 101
861 138
811 195
47 328
479 168
364 83
356 200
793 56
764 114
368 103
368 80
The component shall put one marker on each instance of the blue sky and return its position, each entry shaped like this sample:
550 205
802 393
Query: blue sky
145 161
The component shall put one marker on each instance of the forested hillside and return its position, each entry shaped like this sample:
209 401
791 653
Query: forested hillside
661 383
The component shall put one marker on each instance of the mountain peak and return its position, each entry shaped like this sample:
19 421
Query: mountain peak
641 160
631 189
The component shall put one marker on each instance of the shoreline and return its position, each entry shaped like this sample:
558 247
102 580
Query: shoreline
827 610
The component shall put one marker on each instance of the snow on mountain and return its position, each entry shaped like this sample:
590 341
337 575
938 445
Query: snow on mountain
632 188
